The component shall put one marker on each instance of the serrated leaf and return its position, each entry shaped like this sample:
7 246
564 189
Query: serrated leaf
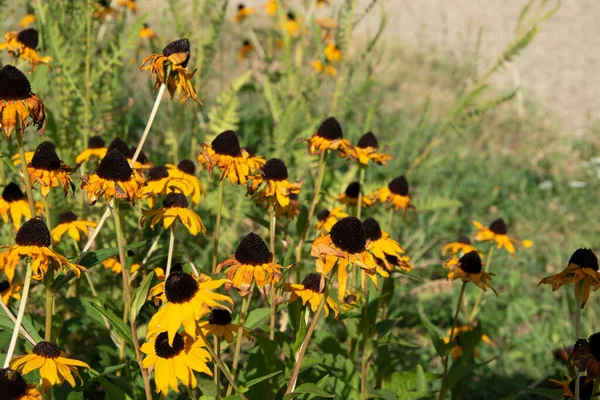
307 388
140 295
117 323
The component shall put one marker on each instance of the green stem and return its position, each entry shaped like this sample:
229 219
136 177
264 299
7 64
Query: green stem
447 356
217 375
24 170
390 220
17 328
361 181
170 254
488 264
272 226
365 358
48 292
218 226
238 339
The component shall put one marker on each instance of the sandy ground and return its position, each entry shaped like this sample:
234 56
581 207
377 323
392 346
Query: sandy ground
560 70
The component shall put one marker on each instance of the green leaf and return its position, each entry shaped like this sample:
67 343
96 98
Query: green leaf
438 343
384 327
460 371
140 294
385 394
117 323
302 220
75 396
421 380
253 382
8 325
10 164
113 392
301 334
255 317
308 388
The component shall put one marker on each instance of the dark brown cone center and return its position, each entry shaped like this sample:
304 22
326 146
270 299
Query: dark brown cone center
178 46
33 233
330 129
180 287
275 170
399 186
175 200
187 166
499 227
585 258
12 384
46 350
45 157
158 173
352 190
323 214
367 140
219 316
349 235
227 144
120 145
12 192
4 286
372 229
470 263
66 217
29 38
14 85
314 282
162 348
96 142
114 167
252 250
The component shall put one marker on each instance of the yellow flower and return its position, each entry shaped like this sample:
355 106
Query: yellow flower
350 196
160 182
186 170
461 246
48 170
326 219
17 101
272 186
96 148
459 334
114 264
14 203
292 25
346 245
329 136
311 291
225 153
27 20
243 13
23 45
367 149
175 359
332 53
185 300
131 5
396 193
113 178
380 243
175 55
68 223
252 262
351 301
219 324
582 270
175 207
53 365
497 232
469 269
147 33
390 262
13 385
33 241
104 10
254 162
586 356
568 388
8 291
291 210
245 49
270 7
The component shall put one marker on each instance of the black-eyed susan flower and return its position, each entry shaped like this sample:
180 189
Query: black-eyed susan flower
18 102
329 136
10 290
498 232
459 334
291 210
271 184
461 246
311 291
351 301
157 290
53 365
175 207
403 262
254 162
23 45
332 53
131 5
175 58
252 262
350 196
48 170
15 387
586 356
345 245
395 194
114 264
245 49
326 219
104 10
159 182
33 241
270 7
469 269
186 170
225 153
29 18
292 24
586 389
69 224
380 243
113 178
319 67
367 149
142 162
219 324
185 300
243 12
13 204
582 270
175 360
147 33
96 148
